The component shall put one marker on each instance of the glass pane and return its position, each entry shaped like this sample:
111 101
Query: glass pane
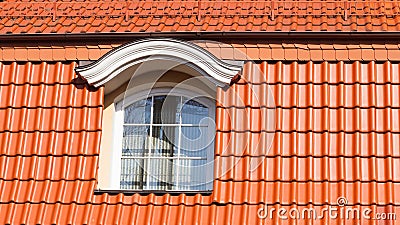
158 170
138 112
195 141
160 174
191 174
165 140
165 109
133 174
193 112
135 140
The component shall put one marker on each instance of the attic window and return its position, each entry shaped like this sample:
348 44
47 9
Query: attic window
162 136
167 143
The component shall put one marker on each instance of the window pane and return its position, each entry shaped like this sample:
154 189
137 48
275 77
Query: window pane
164 140
191 174
135 140
150 159
193 112
160 174
165 109
195 141
133 174
138 112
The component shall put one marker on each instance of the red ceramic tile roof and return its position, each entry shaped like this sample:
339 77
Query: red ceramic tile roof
291 52
169 16
337 135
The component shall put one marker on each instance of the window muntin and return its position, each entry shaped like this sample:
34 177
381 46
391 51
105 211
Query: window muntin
167 144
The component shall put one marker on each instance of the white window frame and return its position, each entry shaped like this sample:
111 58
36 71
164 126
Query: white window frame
118 131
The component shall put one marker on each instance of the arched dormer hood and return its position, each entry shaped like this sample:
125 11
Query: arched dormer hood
114 62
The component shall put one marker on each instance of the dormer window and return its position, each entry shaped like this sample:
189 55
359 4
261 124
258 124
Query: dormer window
158 127
167 143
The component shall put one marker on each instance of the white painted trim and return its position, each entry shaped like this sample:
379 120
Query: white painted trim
114 62
116 151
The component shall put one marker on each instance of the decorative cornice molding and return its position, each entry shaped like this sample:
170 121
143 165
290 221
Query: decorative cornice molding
114 62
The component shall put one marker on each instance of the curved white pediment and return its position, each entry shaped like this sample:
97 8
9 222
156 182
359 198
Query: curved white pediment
114 62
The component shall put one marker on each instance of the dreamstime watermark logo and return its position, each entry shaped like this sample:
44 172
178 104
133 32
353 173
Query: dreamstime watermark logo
247 109
341 211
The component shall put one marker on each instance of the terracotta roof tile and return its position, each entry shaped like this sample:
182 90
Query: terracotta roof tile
226 51
21 54
315 53
337 134
393 54
380 53
277 52
8 53
290 52
342 53
94 52
328 54
367 52
265 52
240 52
214 16
253 53
45 53
58 53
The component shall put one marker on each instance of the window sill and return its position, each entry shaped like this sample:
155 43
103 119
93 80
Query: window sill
147 192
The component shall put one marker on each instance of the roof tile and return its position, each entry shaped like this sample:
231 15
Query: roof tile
247 16
303 54
239 52
329 54
70 53
21 54
253 53
58 53
277 52
355 52
82 52
45 53
337 135
226 52
367 54
381 54
393 54
290 52
342 54
265 52
316 55
8 54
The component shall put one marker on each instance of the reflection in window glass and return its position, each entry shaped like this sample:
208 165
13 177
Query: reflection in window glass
166 143
138 112
193 112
